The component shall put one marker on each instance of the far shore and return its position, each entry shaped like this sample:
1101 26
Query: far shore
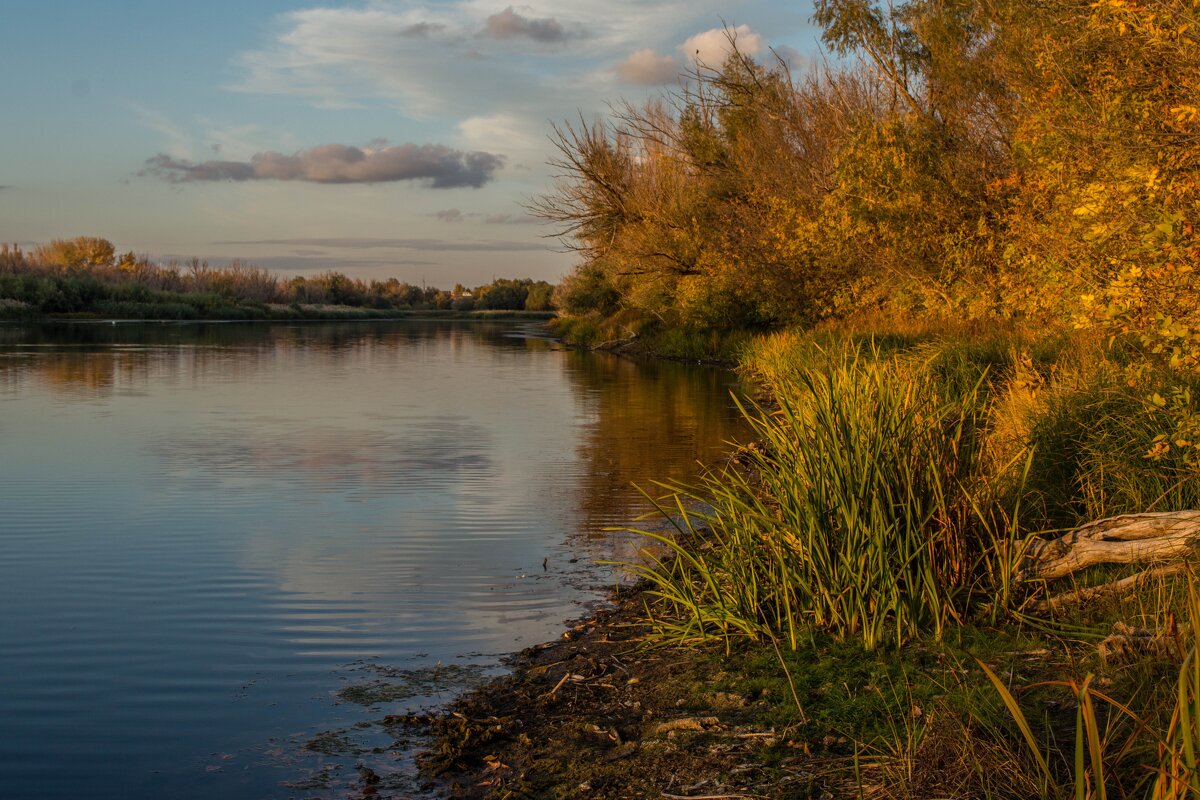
286 313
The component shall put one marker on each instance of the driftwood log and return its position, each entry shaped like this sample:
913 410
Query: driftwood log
1127 539
1165 541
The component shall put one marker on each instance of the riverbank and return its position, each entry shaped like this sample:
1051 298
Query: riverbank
602 714
987 684
133 312
627 334
598 714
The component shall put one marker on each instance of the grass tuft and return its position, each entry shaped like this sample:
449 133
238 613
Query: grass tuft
859 510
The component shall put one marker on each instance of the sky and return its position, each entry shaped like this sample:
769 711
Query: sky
380 138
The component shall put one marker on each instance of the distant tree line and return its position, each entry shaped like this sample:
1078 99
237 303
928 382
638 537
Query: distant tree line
86 274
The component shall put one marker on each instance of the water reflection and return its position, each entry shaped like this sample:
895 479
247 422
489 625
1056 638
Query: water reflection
95 360
207 527
434 451
633 419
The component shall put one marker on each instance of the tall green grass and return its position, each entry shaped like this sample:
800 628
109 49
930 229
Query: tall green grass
860 509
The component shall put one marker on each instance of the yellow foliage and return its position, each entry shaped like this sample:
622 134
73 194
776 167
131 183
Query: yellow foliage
987 161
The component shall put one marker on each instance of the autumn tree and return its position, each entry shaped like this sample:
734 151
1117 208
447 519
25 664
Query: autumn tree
964 159
82 252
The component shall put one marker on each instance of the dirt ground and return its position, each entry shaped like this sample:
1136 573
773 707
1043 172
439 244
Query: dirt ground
597 715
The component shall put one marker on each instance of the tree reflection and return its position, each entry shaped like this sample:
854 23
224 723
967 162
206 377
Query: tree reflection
96 360
646 421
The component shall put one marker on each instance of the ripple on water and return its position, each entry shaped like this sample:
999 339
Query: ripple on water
209 530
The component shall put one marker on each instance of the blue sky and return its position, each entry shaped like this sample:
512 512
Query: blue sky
377 137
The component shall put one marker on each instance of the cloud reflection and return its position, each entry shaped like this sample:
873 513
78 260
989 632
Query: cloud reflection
429 452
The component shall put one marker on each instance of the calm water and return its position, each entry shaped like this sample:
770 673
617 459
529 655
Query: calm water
208 531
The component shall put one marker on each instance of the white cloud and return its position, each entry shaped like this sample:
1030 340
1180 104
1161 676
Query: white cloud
450 215
648 68
457 215
441 66
428 60
711 48
339 57
503 132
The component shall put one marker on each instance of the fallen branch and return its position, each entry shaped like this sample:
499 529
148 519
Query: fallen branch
558 685
613 344
1127 539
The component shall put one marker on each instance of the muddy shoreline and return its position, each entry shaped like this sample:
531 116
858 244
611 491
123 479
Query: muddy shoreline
598 714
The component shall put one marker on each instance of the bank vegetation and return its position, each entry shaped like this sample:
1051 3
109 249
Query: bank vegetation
957 262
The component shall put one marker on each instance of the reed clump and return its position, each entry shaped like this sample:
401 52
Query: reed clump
892 485
860 509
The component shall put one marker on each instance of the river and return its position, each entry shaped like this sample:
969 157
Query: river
224 547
